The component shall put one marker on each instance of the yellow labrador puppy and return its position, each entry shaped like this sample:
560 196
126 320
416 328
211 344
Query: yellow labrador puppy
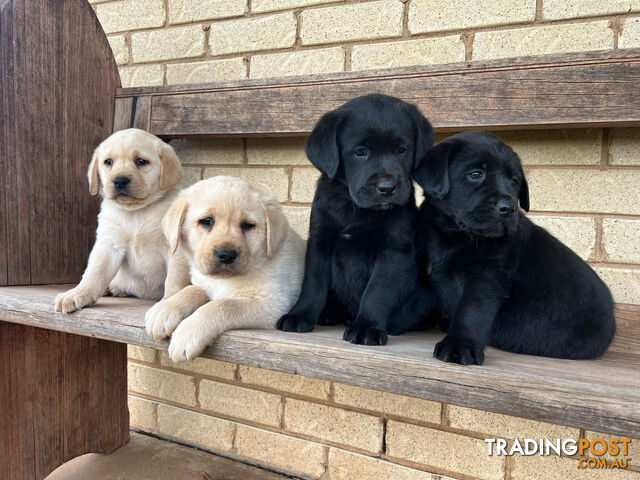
135 173
246 265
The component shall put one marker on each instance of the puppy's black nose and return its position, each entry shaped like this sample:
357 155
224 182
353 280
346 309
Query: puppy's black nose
505 207
226 255
121 182
386 188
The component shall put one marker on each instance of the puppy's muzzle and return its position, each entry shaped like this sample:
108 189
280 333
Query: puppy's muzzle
226 255
121 183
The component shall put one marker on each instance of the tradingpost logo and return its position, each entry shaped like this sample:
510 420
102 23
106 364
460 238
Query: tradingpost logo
616 448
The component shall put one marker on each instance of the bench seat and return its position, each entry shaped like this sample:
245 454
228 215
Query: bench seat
601 395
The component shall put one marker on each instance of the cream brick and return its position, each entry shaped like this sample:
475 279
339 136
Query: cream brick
438 15
273 181
633 448
557 9
249 34
270 5
276 151
142 414
573 37
505 426
303 184
177 42
298 219
170 386
625 146
556 147
293 455
387 403
119 48
307 62
334 425
202 366
630 36
240 402
127 15
443 450
413 52
555 467
609 191
185 11
210 71
577 233
191 175
308 387
209 151
624 283
345 465
621 240
195 428
143 354
141 76
352 22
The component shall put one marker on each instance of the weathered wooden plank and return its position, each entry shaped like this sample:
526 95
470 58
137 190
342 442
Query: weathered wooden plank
577 90
58 88
601 394
122 113
63 396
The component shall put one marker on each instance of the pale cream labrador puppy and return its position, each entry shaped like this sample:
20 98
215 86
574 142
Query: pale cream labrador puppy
246 265
135 173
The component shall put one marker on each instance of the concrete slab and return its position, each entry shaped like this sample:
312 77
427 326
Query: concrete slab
148 458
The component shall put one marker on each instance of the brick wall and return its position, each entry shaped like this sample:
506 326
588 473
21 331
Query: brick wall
584 188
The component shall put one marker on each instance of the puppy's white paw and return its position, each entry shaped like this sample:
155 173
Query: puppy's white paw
116 292
188 341
74 299
161 320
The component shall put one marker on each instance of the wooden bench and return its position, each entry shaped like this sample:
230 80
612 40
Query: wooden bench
63 385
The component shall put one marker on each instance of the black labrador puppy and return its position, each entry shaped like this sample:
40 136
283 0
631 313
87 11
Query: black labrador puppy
360 265
499 279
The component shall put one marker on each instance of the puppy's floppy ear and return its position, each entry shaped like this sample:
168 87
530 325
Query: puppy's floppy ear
523 196
172 222
424 134
322 145
432 173
277 225
92 174
171 172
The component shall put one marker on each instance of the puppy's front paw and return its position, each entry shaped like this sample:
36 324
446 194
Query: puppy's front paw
74 299
161 320
188 341
116 292
365 333
464 352
295 323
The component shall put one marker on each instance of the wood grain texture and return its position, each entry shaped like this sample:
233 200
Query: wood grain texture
551 91
61 396
58 81
601 395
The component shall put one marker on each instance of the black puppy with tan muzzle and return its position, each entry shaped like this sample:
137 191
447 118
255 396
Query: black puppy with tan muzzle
360 266
501 280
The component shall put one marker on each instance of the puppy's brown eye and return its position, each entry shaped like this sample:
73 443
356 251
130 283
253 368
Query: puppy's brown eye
140 162
401 150
476 175
247 226
108 162
514 181
361 152
206 222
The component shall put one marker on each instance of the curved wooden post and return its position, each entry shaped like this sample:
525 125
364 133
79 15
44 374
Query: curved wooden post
61 395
